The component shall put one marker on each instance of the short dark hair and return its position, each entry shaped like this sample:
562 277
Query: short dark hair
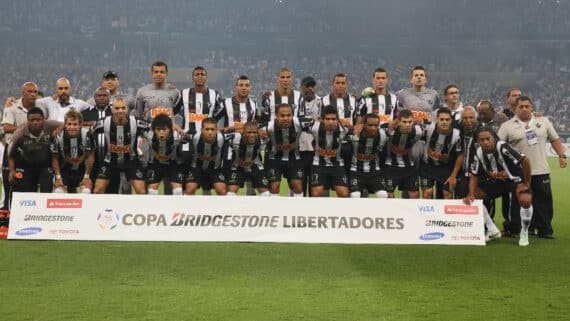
524 98
442 110
370 116
418 67
283 106
250 124
199 68
405 113
486 102
448 87
159 64
339 75
379 69
209 120
481 129
511 90
330 109
35 110
161 121
242 77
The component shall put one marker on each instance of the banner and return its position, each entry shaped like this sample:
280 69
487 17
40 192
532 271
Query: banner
244 219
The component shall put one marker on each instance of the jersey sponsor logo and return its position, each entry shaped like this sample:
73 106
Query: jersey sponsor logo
402 151
120 149
421 115
196 118
328 152
436 156
204 157
285 147
365 157
74 160
461 210
160 111
246 163
384 118
162 157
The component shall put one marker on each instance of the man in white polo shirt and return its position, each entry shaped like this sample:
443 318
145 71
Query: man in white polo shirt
55 109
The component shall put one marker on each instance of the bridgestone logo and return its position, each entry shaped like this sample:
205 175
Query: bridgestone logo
49 218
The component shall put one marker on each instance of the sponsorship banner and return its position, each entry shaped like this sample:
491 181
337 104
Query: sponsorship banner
37 216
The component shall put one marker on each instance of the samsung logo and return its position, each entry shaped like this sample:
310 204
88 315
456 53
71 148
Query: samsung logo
431 236
29 231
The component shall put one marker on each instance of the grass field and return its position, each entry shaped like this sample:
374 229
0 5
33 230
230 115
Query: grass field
48 280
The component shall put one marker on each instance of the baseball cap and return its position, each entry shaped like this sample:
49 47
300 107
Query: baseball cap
308 82
110 74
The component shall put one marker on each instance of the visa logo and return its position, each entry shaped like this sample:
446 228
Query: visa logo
426 209
28 203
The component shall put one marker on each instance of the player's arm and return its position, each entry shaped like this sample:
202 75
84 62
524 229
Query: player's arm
89 161
57 170
452 179
560 150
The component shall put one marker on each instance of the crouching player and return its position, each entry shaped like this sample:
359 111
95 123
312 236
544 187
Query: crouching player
328 167
368 141
206 169
246 162
73 154
165 161
497 169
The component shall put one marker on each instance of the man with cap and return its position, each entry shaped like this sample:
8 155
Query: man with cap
110 81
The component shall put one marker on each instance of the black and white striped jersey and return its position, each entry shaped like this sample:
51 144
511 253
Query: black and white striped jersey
205 155
283 143
399 147
441 149
121 140
234 111
327 145
504 159
346 106
366 152
72 151
269 103
166 151
383 106
246 155
198 106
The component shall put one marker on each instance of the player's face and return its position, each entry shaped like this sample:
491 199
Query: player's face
72 127
284 79
161 133
524 110
308 93
199 77
406 125
468 120
512 100
330 121
486 141
35 123
209 132
251 135
419 78
380 80
443 122
339 86
371 127
243 88
63 89
101 98
159 75
30 94
111 84
120 111
284 117
452 95
485 113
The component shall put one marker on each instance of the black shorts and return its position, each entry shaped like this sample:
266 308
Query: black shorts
359 181
206 178
462 187
496 188
72 178
276 169
430 175
132 173
156 172
258 177
404 178
328 176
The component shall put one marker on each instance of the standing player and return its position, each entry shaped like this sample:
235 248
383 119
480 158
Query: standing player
55 109
400 171
443 156
165 156
73 155
206 169
368 141
422 101
380 101
284 94
498 168
328 167
122 133
157 98
239 109
282 154
246 161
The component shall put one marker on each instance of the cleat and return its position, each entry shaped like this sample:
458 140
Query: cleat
489 236
523 241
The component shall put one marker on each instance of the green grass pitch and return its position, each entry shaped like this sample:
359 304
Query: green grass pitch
49 280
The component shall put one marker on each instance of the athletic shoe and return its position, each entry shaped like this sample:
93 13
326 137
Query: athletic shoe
492 235
523 241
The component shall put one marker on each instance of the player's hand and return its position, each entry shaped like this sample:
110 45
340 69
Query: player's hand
86 183
346 122
357 129
452 181
178 129
58 130
393 124
502 117
12 177
522 187
238 126
467 200
563 162
9 102
263 134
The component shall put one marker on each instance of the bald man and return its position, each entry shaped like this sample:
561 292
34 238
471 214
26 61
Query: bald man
55 109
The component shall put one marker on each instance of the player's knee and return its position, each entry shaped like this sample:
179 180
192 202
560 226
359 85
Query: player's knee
381 194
